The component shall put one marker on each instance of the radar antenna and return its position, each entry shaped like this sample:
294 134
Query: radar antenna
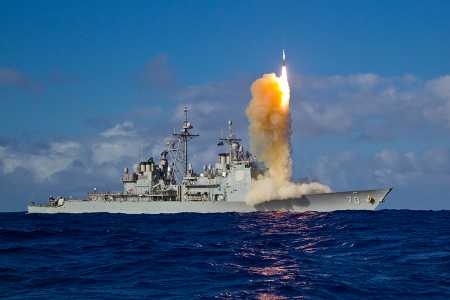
231 138
184 136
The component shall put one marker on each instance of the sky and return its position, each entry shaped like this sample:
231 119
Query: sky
88 88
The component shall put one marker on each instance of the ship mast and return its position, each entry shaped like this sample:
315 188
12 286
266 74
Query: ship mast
230 139
185 135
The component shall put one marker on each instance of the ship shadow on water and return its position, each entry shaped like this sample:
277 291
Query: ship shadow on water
283 205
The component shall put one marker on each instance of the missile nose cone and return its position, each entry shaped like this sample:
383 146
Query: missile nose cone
284 58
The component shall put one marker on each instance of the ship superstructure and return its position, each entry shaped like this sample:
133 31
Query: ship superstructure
152 181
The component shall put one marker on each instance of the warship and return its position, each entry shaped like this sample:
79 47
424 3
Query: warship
172 186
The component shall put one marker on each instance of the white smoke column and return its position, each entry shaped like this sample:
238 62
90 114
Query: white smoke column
268 115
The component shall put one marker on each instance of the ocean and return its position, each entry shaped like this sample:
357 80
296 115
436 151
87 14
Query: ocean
387 254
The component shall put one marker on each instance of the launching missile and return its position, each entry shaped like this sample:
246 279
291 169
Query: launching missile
284 59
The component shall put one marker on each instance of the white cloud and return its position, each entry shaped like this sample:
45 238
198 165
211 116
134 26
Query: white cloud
387 167
58 157
118 144
123 143
122 129
363 80
319 118
362 102
440 86
114 151
197 111
438 109
334 169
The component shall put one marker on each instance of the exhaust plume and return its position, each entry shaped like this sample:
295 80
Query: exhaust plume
270 131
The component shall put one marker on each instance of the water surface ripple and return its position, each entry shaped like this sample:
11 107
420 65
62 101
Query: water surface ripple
389 254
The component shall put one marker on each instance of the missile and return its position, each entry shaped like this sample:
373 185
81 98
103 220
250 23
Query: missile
284 59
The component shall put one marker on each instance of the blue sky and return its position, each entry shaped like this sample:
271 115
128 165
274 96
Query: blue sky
370 79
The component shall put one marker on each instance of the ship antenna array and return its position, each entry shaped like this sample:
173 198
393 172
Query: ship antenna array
184 136
230 139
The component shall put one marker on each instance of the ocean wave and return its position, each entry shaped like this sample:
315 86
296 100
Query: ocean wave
342 255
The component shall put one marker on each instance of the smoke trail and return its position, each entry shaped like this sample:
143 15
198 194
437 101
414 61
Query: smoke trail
268 115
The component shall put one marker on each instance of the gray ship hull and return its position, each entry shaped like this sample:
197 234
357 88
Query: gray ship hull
353 200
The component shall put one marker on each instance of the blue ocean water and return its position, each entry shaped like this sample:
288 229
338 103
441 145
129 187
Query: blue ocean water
389 254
